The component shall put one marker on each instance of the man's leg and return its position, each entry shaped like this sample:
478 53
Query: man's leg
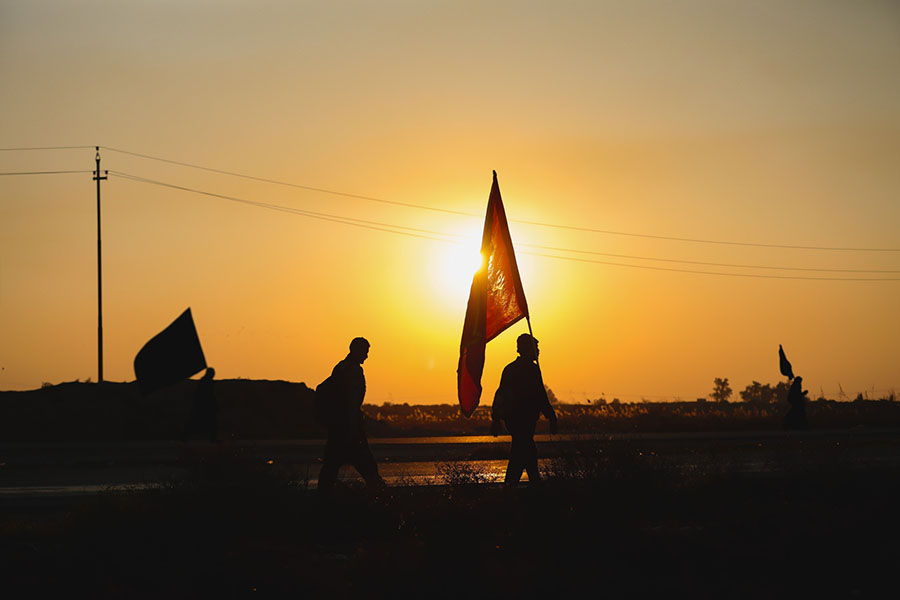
530 456
364 462
516 460
331 463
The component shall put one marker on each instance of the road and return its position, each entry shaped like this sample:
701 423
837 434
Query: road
35 473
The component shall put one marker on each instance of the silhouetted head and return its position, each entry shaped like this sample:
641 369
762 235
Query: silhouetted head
210 373
527 345
359 349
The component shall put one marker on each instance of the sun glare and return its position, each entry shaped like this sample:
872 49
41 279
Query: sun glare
453 270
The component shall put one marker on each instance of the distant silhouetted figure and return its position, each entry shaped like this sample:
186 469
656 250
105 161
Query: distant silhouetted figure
796 417
347 441
519 401
205 410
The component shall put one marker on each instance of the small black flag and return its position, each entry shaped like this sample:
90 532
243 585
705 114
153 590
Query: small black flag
784 364
170 356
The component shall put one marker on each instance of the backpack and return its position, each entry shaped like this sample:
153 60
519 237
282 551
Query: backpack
325 399
499 409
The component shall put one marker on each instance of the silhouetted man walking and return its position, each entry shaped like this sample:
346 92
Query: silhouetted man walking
205 410
796 417
519 402
347 441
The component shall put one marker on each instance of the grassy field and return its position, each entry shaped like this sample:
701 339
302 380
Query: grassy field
615 522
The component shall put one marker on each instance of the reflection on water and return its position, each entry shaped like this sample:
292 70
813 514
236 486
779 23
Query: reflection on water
35 471
433 473
394 474
75 490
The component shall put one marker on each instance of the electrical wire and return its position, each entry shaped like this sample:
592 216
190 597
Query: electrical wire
293 185
467 214
703 241
438 233
341 219
432 235
755 276
46 148
533 223
710 264
44 172
386 227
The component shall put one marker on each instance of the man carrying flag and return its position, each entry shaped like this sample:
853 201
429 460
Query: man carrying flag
520 400
496 301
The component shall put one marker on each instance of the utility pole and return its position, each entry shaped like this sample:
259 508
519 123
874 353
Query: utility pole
98 179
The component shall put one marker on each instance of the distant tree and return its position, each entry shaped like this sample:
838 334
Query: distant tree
781 391
550 395
759 394
721 390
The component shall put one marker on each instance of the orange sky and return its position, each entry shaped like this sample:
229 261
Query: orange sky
748 122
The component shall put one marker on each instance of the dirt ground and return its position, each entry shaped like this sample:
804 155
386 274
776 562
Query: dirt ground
607 522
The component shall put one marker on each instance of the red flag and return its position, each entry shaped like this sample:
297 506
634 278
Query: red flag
496 301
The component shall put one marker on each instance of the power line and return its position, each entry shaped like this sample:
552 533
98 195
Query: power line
702 241
533 223
755 276
431 235
409 231
45 148
44 172
293 185
341 219
438 233
462 213
710 264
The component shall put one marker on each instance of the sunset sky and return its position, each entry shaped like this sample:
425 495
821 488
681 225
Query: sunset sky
768 123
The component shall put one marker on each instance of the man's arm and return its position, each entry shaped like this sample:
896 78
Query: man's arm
546 407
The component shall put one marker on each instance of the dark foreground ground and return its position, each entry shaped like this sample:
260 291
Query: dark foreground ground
608 521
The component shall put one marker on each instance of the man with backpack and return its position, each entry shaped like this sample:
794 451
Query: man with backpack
339 407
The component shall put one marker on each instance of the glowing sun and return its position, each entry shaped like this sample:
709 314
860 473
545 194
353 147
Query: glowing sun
454 267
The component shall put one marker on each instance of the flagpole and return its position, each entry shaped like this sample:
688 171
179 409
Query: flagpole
537 360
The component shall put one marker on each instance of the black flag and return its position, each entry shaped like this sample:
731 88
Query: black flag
784 364
170 356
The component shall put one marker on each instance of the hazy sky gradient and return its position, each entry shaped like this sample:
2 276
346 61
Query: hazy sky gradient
764 122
